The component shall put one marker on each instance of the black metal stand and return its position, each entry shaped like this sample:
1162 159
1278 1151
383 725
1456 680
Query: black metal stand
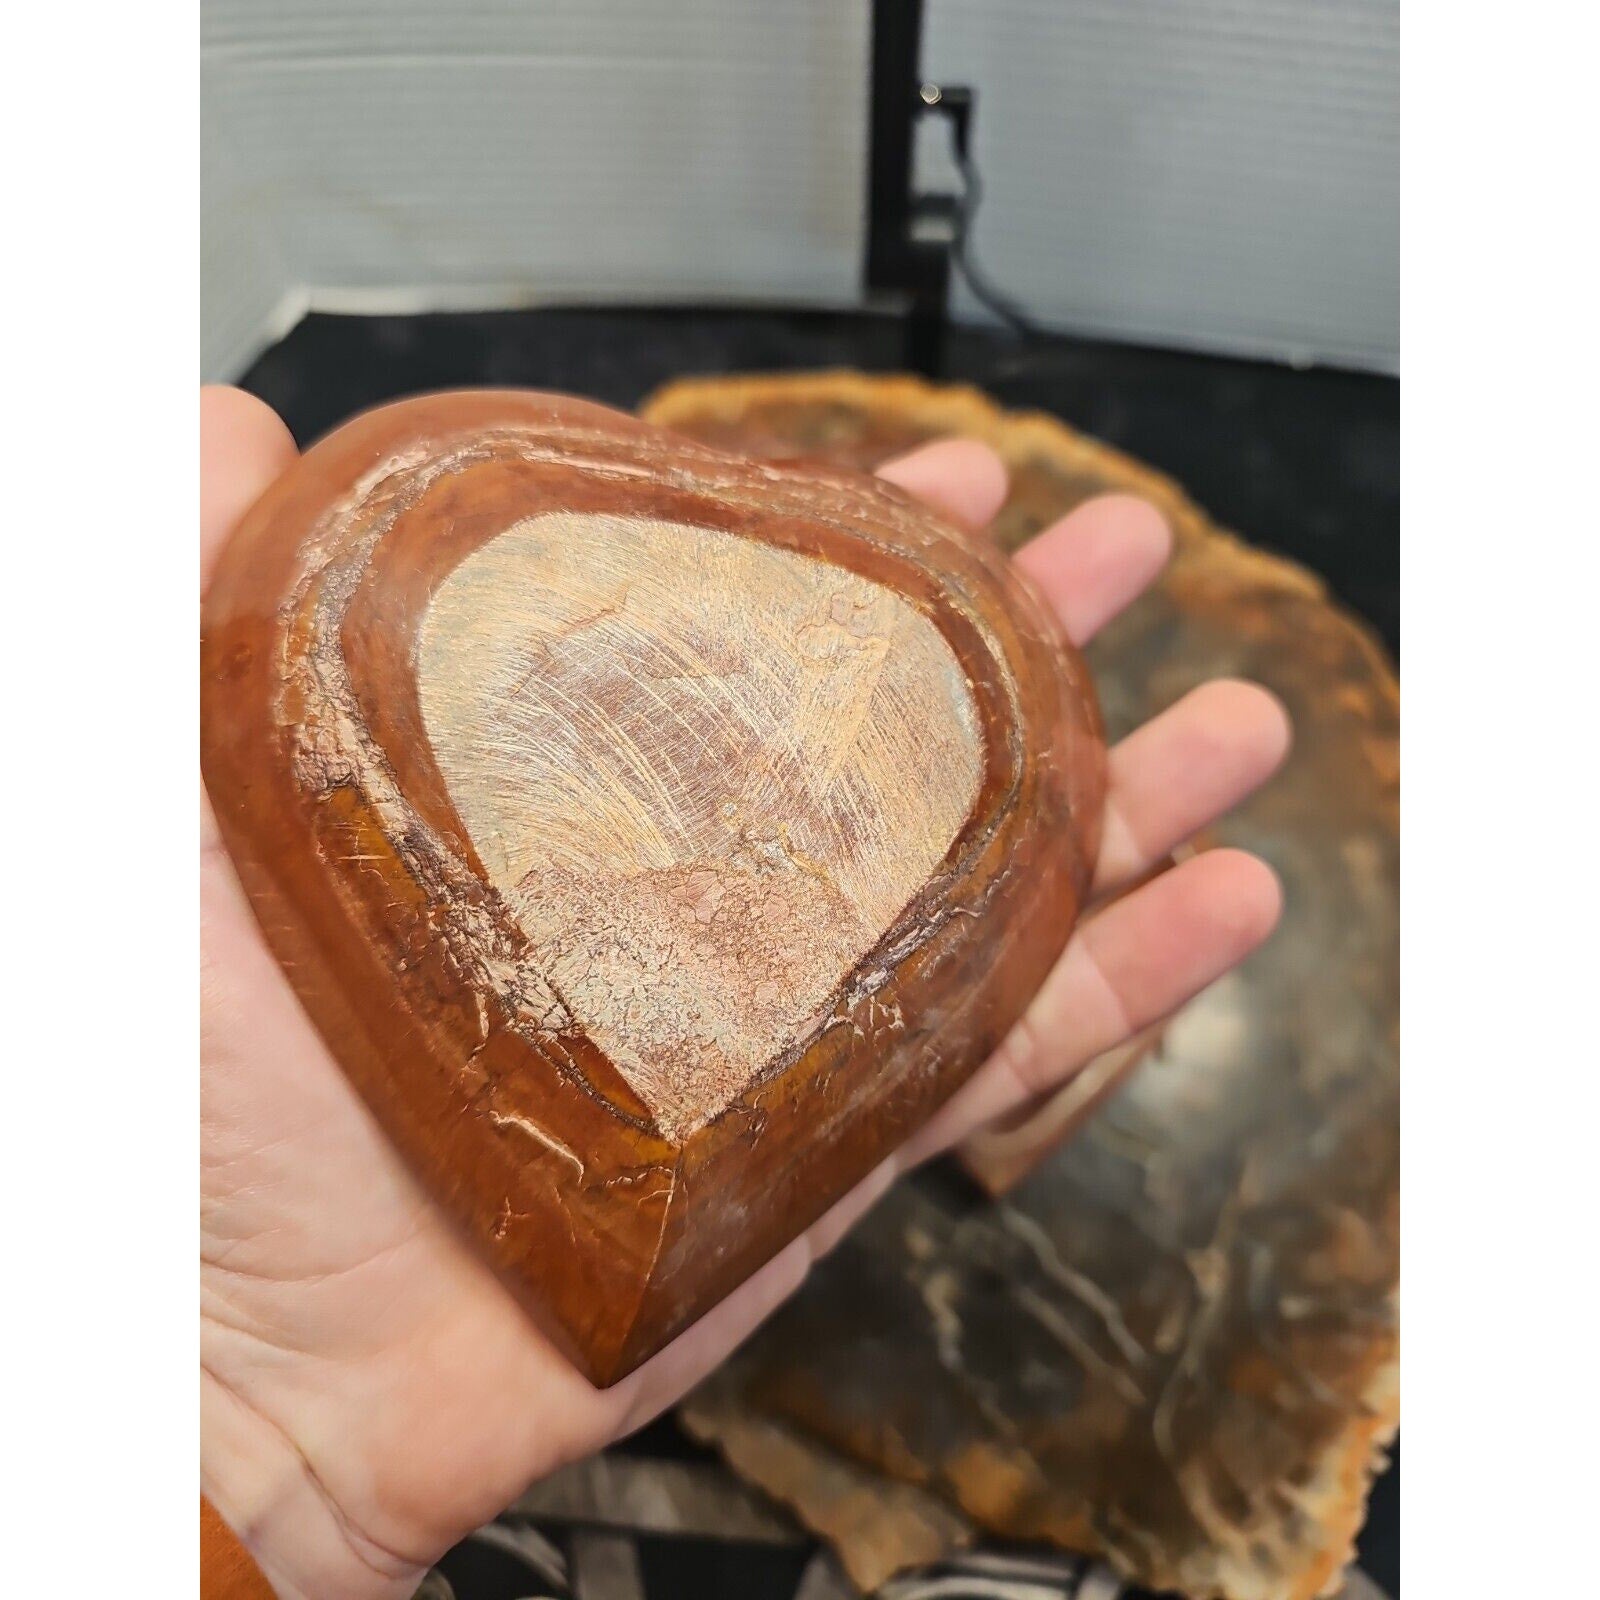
909 238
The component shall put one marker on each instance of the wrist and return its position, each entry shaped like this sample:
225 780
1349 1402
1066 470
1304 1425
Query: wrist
262 1485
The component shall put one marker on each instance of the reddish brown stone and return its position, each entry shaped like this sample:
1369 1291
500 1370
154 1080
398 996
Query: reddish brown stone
516 710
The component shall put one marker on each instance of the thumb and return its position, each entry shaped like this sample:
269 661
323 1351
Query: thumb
243 447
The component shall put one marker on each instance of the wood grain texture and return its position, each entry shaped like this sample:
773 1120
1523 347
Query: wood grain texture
656 837
705 775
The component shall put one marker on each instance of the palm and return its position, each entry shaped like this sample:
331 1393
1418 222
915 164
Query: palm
360 1361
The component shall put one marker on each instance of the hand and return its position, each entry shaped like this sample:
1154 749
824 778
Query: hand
369 1392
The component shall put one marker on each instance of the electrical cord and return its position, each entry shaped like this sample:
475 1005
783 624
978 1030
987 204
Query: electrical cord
954 103
977 281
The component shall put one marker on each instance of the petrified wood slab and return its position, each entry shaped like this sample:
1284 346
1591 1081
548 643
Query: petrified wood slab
656 837
1176 1341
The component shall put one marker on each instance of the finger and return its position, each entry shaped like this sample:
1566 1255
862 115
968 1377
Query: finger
960 477
1126 968
1097 559
243 447
1182 770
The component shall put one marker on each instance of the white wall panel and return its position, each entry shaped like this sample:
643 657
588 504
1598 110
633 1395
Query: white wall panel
434 153
248 294
1221 173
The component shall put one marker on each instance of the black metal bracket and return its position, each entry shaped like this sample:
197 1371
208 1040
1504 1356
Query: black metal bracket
911 238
